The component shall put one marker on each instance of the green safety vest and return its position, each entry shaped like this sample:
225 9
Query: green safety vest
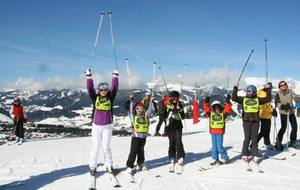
103 103
141 124
217 120
251 105
176 116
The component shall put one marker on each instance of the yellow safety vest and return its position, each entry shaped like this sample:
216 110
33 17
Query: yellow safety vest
217 120
141 124
103 103
251 105
265 111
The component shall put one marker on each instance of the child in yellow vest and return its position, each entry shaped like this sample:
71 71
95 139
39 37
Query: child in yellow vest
265 114
138 140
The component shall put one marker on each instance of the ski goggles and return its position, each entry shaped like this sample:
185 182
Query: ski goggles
139 109
103 90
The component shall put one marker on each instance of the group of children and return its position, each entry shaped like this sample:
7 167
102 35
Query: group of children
174 114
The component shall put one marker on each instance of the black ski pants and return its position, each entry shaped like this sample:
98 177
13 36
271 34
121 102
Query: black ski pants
19 129
176 150
265 128
293 122
161 120
136 150
250 134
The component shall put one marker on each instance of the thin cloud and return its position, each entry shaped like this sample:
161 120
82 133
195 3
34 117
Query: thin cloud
21 48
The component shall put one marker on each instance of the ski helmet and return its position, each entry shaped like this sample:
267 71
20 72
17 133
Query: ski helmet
103 86
174 94
216 103
251 91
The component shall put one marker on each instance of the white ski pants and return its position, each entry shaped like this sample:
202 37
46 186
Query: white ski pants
101 135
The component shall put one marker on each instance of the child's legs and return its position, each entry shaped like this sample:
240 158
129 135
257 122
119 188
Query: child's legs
141 152
133 152
214 150
220 147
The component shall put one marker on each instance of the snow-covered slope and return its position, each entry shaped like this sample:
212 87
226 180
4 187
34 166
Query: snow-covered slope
5 118
62 164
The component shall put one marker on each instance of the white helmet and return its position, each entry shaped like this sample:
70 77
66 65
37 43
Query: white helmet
103 86
215 102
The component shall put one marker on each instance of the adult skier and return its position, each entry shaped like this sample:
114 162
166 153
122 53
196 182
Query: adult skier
250 115
17 113
217 115
103 100
284 101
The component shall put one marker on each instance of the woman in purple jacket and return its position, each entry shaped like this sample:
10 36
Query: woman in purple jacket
103 100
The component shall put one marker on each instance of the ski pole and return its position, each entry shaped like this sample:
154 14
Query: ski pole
244 67
112 38
275 132
128 73
163 77
288 130
153 81
97 35
266 58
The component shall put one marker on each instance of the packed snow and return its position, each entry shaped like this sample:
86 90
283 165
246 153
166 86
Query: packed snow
63 164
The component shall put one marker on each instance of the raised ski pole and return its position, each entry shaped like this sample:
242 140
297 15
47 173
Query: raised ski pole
112 38
266 58
244 67
153 81
163 77
97 35
128 73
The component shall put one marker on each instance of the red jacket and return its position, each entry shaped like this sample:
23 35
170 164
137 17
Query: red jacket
17 112
226 111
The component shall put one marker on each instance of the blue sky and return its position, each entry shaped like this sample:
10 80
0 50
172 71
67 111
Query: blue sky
44 38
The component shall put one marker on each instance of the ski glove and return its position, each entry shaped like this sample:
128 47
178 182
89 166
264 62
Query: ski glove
274 113
115 72
88 73
285 107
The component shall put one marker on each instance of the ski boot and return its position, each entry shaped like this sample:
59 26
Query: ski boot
172 166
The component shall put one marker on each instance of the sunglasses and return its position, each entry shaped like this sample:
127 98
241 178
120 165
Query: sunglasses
282 85
103 90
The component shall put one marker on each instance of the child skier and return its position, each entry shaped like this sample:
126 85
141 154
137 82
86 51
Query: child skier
139 133
265 113
102 121
19 118
250 116
217 115
175 114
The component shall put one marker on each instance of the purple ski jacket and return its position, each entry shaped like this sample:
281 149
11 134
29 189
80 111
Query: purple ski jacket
103 117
